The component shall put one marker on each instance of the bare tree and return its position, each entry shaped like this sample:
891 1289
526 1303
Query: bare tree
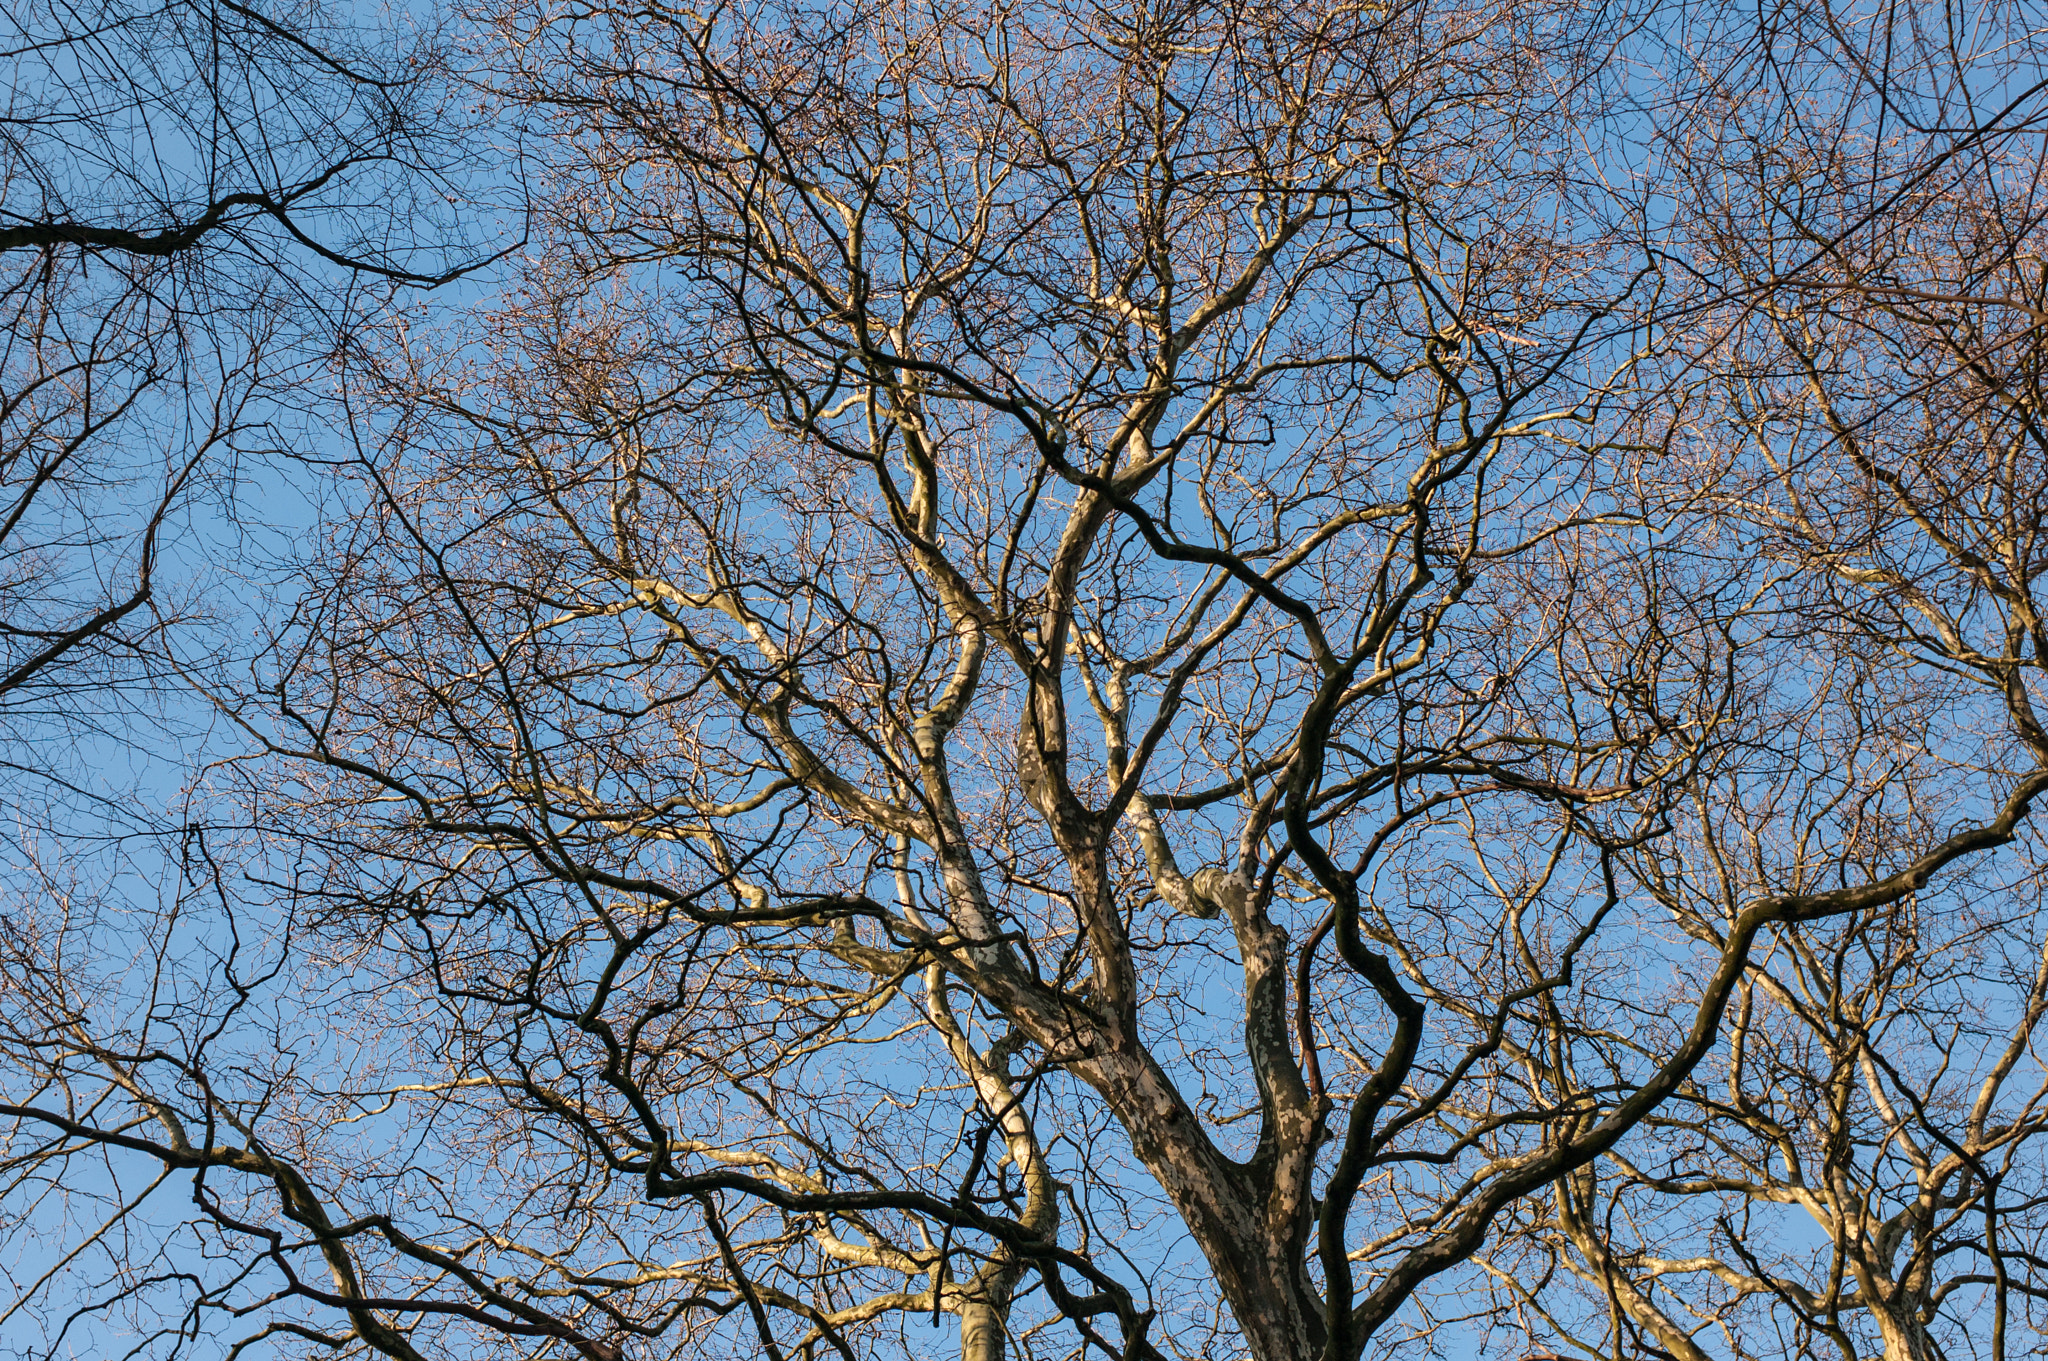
1155 679
189 194
1860 1169
175 180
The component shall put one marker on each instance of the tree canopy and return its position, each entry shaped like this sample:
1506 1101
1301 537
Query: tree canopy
1165 680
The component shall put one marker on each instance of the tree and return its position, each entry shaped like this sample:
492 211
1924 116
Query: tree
1158 679
189 196
1879 1082
180 183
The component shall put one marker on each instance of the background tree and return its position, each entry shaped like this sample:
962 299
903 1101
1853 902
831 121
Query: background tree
1859 1171
190 196
181 187
1146 678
